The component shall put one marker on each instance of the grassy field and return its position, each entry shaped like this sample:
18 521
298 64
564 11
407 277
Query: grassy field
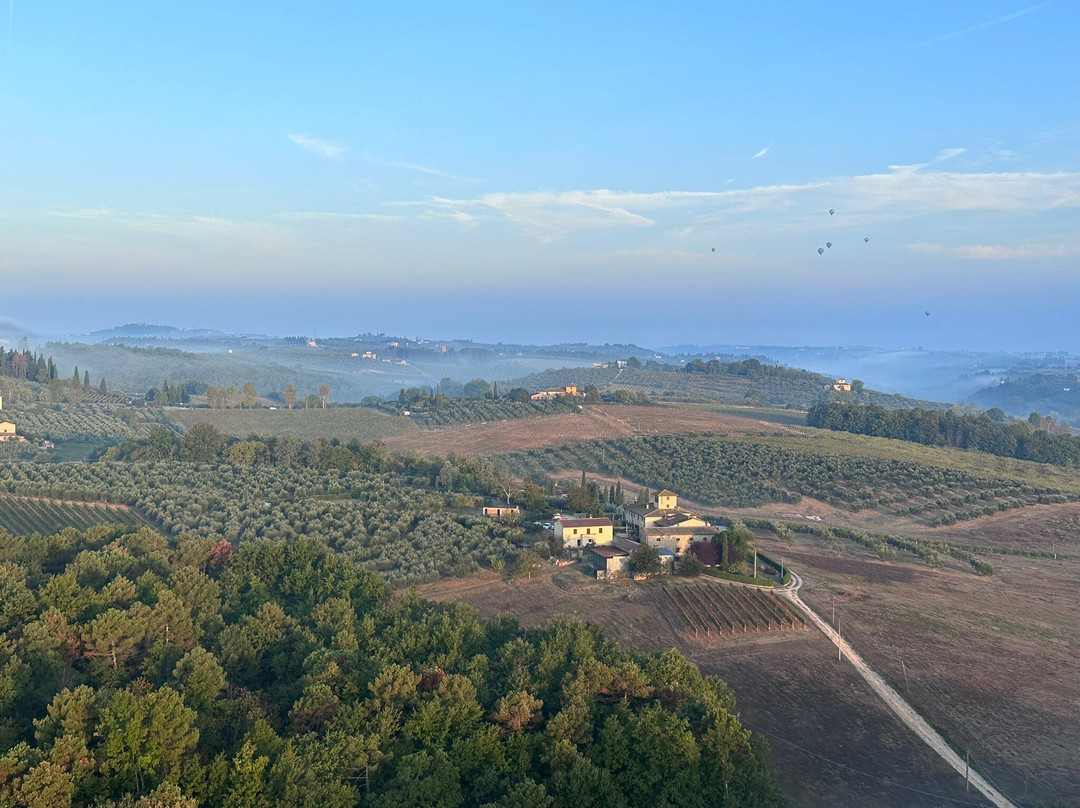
768 414
989 661
345 423
23 516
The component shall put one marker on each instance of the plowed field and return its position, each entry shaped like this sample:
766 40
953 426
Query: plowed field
596 421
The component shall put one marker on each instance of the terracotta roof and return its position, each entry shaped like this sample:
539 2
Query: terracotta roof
607 552
666 493
604 522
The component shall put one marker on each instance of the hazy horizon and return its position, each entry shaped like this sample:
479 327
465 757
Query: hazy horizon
548 174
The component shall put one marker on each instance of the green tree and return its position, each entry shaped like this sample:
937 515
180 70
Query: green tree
528 563
199 678
645 560
202 443
249 395
290 395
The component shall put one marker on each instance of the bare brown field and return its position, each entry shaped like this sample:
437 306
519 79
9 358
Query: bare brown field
593 422
834 743
991 662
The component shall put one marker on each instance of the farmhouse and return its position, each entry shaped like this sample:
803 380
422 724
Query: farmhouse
570 391
578 533
7 430
662 523
501 510
841 385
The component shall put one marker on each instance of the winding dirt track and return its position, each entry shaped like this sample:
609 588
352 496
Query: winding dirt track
904 711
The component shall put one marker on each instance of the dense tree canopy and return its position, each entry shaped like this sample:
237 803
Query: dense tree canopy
134 667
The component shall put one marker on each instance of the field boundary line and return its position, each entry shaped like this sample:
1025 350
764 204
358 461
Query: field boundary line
904 711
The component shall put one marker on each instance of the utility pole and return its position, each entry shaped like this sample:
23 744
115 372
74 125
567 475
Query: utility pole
907 687
839 640
834 608
755 563
967 770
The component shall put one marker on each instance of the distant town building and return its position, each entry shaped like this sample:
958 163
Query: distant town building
570 391
8 432
842 386
369 355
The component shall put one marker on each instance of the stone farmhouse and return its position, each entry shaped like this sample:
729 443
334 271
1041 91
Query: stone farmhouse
580 533
663 524
570 391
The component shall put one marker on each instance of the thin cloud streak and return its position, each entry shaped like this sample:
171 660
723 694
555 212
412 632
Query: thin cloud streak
762 153
988 24
996 252
318 146
386 162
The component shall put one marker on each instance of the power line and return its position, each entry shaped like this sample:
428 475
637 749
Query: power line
859 771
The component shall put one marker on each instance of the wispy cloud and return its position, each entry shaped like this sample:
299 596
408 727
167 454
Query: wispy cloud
330 216
321 148
996 252
942 156
386 162
762 153
193 228
987 24
903 192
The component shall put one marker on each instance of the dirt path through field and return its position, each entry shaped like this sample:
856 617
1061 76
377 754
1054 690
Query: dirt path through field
904 711
116 506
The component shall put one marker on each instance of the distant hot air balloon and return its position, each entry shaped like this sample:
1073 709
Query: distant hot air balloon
828 244
831 211
867 239
928 312
714 249
820 250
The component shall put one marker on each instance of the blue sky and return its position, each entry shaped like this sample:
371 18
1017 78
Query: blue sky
468 167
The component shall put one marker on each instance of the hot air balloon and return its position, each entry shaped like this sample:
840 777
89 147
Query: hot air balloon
828 244
867 240
820 250
714 249
928 312
831 211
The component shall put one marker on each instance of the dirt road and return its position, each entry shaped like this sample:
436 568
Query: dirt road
904 711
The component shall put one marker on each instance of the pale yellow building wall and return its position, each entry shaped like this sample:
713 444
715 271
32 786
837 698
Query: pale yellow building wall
7 428
584 536
666 501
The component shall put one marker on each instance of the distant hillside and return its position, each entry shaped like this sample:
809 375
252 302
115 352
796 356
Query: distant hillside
790 388
1056 394
149 331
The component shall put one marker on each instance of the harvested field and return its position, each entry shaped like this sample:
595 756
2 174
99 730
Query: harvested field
991 662
849 749
596 421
